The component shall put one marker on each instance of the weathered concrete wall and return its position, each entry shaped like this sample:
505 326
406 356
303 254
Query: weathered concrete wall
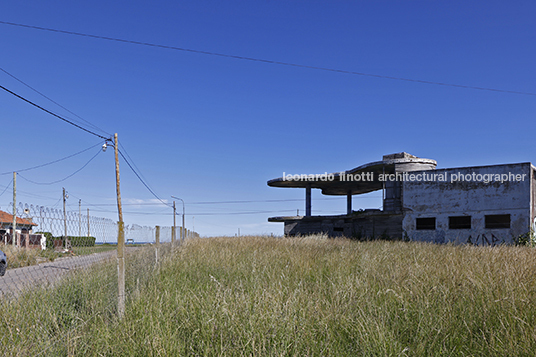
393 189
470 198
368 224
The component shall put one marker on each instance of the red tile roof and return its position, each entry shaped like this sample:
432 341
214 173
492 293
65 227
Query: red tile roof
8 218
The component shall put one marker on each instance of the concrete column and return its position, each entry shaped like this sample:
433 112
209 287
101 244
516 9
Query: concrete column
349 202
308 200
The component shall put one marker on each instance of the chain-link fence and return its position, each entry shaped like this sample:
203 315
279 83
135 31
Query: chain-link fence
49 242
63 264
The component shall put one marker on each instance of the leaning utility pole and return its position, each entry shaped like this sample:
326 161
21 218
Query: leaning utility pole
14 231
120 239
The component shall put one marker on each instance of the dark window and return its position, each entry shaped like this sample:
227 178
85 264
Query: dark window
338 229
460 222
498 221
425 223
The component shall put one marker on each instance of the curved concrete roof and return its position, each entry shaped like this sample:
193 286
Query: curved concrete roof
365 177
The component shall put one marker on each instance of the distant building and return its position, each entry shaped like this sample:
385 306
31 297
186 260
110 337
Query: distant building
22 224
23 229
479 205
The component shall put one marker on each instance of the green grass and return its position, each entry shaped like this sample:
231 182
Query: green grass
276 297
95 249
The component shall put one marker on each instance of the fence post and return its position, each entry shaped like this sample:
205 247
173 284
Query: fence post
65 240
14 230
121 268
80 217
157 239
174 224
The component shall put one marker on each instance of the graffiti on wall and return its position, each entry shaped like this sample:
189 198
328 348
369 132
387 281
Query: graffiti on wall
483 239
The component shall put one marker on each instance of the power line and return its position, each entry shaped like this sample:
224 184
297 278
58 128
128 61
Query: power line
261 201
132 161
58 104
141 180
200 213
265 60
236 213
195 203
9 184
138 173
55 204
51 113
225 202
52 162
25 193
63 179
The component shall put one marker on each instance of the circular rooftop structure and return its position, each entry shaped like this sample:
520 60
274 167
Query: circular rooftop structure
362 179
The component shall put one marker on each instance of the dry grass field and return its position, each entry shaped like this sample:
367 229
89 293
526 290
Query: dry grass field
312 296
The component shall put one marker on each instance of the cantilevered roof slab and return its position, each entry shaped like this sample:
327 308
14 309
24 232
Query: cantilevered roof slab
362 179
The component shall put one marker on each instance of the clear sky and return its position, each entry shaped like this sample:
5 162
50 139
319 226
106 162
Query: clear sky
211 129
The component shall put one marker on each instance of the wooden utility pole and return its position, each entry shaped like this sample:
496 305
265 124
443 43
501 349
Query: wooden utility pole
119 208
64 218
14 230
80 218
174 225
88 232
157 243
120 239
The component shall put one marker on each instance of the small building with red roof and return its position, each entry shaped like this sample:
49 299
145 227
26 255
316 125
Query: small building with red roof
24 225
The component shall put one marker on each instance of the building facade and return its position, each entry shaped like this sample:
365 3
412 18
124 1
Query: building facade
485 205
480 205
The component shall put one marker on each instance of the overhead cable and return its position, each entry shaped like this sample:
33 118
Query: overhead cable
65 178
53 101
267 61
142 181
53 114
52 162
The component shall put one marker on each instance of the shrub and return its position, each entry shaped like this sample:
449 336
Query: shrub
75 241
49 237
80 241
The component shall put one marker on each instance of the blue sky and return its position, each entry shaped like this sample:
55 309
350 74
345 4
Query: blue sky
211 129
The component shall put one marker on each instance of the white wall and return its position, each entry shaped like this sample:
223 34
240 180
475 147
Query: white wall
475 198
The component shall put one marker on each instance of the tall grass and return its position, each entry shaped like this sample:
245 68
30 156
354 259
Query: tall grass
19 256
308 296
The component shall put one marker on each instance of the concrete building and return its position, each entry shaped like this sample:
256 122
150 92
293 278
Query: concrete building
477 205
